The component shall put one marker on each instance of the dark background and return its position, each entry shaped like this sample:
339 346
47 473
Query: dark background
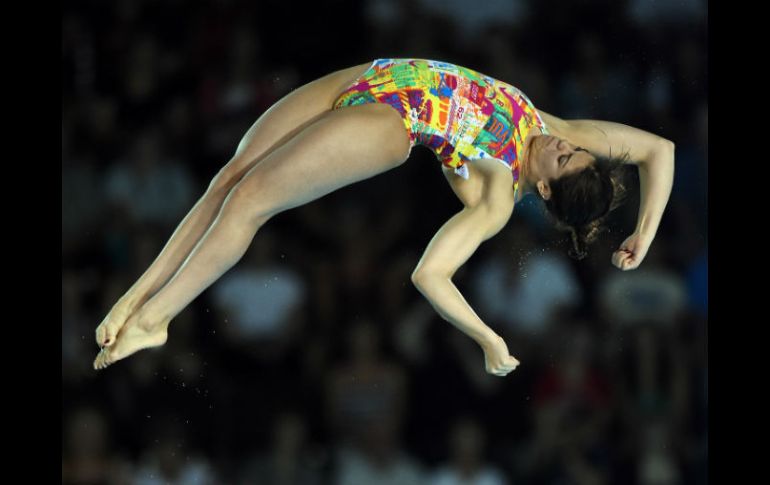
333 368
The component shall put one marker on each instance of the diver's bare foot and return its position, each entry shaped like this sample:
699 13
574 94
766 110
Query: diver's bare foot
135 335
108 330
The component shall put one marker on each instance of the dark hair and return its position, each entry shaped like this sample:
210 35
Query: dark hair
580 201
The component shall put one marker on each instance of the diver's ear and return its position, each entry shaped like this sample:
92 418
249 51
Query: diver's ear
544 190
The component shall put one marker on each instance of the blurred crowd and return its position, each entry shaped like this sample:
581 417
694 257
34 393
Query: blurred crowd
315 360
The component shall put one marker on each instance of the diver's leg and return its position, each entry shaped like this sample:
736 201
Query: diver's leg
281 122
341 147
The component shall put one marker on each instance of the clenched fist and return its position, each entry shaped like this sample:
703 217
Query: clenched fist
631 252
497 359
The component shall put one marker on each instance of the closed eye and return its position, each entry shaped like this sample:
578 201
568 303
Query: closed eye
564 159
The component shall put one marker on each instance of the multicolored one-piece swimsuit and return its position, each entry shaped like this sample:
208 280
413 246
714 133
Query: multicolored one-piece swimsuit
460 114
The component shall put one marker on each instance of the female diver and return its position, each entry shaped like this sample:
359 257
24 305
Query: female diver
362 121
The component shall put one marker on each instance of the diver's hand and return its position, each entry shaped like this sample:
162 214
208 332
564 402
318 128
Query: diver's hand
496 357
631 252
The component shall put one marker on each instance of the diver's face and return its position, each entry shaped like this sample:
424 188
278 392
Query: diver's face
556 157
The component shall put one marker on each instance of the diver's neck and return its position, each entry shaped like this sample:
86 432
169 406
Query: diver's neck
528 178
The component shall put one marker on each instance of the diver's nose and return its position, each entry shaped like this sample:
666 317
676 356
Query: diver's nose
565 146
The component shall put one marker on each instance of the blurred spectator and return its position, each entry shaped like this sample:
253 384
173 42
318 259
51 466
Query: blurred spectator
87 456
118 235
396 288
260 298
81 210
505 58
77 332
657 466
594 88
658 95
525 300
649 293
570 416
386 21
697 285
366 392
472 18
397 468
410 332
99 128
656 13
366 398
152 188
140 78
287 461
359 268
169 462
467 441
691 175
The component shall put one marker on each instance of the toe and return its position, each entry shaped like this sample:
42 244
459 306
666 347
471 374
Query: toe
109 335
102 360
107 331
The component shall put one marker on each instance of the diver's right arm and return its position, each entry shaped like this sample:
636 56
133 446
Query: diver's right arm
450 248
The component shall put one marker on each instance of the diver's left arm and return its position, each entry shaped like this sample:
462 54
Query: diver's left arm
654 157
656 176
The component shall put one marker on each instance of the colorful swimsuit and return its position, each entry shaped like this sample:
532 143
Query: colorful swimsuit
460 114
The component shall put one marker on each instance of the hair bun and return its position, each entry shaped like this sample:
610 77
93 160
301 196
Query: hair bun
578 250
582 236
